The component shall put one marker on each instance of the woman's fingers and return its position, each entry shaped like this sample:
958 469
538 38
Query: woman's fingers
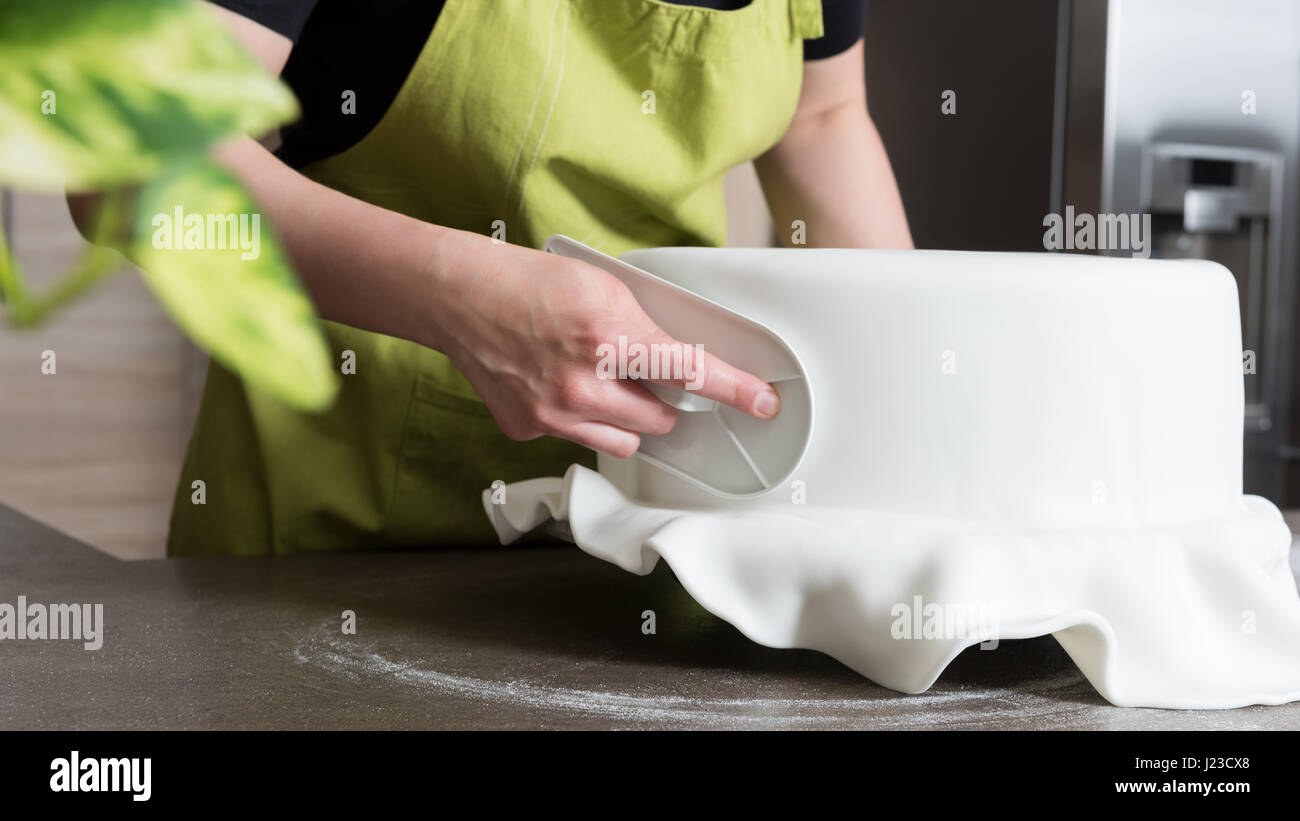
712 378
631 407
603 437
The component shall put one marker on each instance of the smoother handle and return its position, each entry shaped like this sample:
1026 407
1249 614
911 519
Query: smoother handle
680 399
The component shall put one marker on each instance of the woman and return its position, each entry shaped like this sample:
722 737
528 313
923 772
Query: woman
428 125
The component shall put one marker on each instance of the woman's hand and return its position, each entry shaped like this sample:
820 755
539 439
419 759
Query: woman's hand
525 327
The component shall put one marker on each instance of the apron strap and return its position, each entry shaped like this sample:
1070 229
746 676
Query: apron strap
806 19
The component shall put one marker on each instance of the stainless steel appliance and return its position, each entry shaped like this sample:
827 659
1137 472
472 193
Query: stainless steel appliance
1224 203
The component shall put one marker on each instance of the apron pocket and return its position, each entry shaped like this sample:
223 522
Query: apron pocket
452 450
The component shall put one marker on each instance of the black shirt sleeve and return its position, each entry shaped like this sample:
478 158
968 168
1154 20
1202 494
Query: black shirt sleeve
284 16
844 22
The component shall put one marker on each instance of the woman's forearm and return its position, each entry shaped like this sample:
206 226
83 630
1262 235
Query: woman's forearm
833 174
363 265
830 170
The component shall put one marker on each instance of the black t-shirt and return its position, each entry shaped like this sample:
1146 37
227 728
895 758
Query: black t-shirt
371 47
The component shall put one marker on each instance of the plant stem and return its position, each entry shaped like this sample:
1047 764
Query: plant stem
11 281
28 311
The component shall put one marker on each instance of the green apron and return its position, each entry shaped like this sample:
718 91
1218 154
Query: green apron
612 121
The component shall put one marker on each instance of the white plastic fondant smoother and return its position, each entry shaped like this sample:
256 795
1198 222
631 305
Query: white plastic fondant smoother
1007 445
713 447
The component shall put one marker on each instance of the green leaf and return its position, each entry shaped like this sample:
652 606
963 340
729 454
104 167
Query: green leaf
214 262
133 85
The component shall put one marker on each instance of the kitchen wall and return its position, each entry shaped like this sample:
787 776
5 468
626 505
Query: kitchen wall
979 178
94 448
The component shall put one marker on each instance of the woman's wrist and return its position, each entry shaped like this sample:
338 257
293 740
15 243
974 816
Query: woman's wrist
450 262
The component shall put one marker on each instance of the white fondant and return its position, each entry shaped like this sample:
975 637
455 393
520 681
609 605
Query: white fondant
1196 616
1051 441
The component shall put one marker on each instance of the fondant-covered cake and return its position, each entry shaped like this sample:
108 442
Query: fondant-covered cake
1014 388
1009 444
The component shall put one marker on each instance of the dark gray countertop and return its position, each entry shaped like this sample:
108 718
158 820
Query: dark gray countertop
535 637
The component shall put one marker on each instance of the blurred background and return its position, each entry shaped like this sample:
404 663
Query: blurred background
1188 110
